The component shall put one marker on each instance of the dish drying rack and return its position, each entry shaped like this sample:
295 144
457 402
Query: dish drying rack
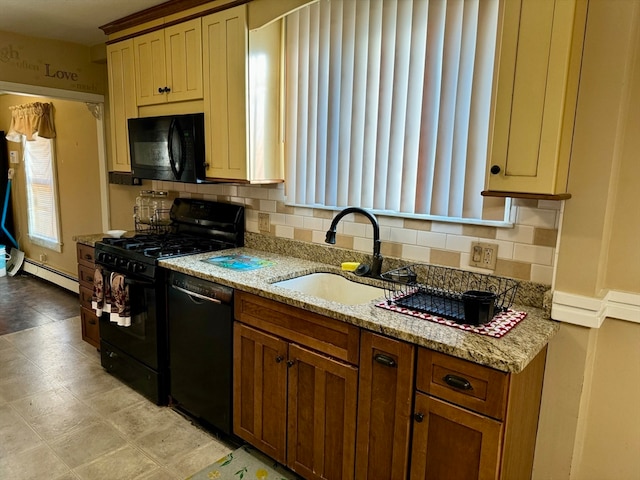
439 290
153 225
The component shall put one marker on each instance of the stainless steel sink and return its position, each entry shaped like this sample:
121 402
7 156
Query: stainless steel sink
335 288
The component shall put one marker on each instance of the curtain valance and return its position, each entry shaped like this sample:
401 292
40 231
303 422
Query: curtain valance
30 119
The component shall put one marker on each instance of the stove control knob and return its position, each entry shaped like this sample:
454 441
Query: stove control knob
135 267
121 262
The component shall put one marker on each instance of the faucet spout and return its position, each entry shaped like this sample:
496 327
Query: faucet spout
376 265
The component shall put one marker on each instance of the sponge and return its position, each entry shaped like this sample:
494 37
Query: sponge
350 266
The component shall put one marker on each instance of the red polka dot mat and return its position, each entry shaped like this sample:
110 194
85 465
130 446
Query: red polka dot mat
498 327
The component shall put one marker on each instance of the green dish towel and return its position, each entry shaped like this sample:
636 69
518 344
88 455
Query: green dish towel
245 463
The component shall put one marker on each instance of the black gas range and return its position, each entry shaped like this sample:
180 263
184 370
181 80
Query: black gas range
136 351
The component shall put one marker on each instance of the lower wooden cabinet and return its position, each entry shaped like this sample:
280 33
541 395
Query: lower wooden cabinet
453 443
474 422
395 411
296 404
385 396
88 318
322 396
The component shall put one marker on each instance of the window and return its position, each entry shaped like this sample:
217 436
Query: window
42 194
387 106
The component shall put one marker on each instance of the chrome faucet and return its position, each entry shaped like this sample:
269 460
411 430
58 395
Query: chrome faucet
376 264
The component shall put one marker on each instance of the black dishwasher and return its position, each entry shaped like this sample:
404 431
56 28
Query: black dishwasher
201 349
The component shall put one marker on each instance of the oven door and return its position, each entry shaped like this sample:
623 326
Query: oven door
142 340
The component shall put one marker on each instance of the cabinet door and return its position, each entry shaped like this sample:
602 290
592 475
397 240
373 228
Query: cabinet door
384 407
151 68
322 416
537 85
183 45
224 58
259 390
453 443
122 100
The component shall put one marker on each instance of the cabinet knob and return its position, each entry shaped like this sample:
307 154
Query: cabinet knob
160 89
167 89
419 417
495 169
279 358
291 363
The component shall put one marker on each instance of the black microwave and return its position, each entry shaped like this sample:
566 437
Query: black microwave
168 148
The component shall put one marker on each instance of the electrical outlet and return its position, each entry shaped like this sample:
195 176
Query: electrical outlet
484 255
264 222
13 157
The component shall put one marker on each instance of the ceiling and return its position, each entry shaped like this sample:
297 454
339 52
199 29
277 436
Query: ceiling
76 21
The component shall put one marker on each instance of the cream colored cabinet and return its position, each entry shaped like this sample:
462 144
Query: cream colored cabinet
168 64
538 67
241 98
122 101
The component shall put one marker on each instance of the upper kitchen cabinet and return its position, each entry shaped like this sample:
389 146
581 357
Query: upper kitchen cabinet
241 98
168 64
122 100
536 93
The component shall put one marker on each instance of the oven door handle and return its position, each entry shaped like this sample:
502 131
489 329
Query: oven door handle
196 295
129 281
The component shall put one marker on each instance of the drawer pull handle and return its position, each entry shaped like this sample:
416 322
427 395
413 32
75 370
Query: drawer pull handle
385 360
88 256
457 382
419 417
92 321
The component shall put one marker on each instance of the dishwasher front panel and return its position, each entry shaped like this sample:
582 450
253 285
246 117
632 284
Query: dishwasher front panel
200 354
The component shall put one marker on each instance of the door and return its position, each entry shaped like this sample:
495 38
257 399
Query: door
151 68
259 392
183 45
225 51
122 100
140 339
384 407
452 443
322 416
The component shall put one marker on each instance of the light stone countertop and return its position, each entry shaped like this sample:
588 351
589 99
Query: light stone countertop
511 353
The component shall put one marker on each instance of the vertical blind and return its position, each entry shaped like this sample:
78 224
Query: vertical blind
387 104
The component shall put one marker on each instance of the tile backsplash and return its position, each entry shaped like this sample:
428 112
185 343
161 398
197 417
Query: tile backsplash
525 252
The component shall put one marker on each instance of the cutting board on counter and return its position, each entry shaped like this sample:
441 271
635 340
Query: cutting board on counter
238 261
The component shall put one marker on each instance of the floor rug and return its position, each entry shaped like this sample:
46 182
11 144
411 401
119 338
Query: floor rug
245 463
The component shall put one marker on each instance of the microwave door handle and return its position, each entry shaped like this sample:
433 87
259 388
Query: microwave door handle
177 170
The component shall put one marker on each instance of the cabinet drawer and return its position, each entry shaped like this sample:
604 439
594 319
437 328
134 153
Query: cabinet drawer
90 327
86 255
332 337
85 296
476 387
85 275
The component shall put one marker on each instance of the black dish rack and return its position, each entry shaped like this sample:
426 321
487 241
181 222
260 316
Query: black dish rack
440 290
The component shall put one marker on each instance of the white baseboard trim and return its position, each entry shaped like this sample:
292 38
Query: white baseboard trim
591 312
50 275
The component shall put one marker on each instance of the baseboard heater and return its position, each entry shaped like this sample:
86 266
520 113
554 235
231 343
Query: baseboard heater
61 279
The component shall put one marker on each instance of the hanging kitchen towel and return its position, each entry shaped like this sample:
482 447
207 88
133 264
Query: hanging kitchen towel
120 308
101 293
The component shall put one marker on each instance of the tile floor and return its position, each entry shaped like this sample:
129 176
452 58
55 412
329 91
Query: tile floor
27 301
62 417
